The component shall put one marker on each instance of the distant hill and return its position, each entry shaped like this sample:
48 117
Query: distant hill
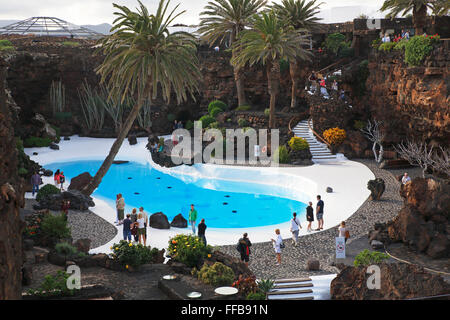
101 28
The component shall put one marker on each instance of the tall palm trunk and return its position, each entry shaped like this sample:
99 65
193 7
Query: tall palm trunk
90 188
273 78
238 74
294 71
419 19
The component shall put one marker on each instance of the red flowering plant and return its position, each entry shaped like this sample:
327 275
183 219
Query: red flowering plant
33 225
246 285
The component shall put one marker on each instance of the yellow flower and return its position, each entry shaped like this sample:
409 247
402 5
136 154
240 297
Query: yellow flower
130 245
126 266
117 248
209 255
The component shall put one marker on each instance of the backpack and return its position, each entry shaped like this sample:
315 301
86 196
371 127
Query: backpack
347 234
62 179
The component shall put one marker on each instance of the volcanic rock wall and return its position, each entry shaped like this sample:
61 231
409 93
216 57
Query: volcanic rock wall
11 198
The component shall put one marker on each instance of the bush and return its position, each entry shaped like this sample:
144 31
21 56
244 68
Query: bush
346 52
22 172
376 43
54 286
297 144
66 249
386 46
336 43
36 142
367 258
214 125
216 275
46 190
215 111
334 136
54 227
256 296
188 249
265 285
281 155
132 255
418 48
217 104
6 45
361 77
243 108
401 45
246 285
206 120
71 44
242 122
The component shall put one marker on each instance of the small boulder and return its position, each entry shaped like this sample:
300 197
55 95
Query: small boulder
313 265
132 140
54 146
80 181
159 221
83 245
47 173
179 222
66 138
329 190
376 188
375 244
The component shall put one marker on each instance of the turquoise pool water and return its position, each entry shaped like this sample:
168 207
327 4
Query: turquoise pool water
223 204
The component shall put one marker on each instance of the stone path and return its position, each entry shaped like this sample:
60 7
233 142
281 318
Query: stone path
321 245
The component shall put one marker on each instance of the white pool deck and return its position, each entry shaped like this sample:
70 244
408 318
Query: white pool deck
347 178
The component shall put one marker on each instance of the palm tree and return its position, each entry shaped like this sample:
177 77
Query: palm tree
267 43
224 20
419 10
143 58
300 15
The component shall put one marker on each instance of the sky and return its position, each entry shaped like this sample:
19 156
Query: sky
101 11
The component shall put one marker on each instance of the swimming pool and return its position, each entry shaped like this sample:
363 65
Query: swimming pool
222 203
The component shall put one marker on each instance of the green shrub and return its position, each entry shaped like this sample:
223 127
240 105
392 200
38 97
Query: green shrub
46 190
376 43
346 52
216 275
36 142
217 104
171 117
133 255
401 45
66 249
54 286
5 43
336 43
418 48
297 144
71 44
206 120
189 125
7 48
243 108
267 112
265 285
54 227
281 155
386 46
214 125
256 296
215 111
367 258
242 122
188 249
22 172
361 78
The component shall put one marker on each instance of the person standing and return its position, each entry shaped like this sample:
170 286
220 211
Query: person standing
201 231
343 232
120 206
35 182
127 228
192 217
278 245
56 178
309 216
135 227
406 179
141 228
145 216
295 228
244 245
62 179
319 213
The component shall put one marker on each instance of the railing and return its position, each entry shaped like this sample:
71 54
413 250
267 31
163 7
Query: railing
318 135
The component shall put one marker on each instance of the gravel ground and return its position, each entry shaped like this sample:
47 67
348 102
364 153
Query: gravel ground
321 245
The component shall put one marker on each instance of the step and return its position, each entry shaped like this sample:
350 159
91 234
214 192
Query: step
278 293
292 285
292 280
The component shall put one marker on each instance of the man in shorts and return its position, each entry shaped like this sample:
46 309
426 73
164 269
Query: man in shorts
319 213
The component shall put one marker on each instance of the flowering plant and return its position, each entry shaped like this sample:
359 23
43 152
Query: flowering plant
334 136
188 249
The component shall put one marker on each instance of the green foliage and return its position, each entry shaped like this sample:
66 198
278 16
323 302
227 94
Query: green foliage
246 285
54 286
215 111
418 48
133 255
335 42
297 144
92 106
66 249
244 107
361 78
171 117
217 104
359 124
189 125
206 120
242 122
54 227
267 112
281 155
214 125
36 142
284 65
387 46
46 190
6 45
22 172
57 96
376 43
216 275
265 285
401 45
256 296
367 258
71 44
188 249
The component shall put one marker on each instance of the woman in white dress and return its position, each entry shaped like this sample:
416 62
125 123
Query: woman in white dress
278 245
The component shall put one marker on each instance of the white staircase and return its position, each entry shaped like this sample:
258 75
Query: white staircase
319 150
292 289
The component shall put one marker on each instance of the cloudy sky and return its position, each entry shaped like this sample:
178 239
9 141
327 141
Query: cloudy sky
101 11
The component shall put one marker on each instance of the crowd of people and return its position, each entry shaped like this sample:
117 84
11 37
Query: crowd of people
404 35
320 86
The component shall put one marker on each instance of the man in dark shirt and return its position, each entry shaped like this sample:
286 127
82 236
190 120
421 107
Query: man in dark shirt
201 230
309 216
35 181
127 228
319 213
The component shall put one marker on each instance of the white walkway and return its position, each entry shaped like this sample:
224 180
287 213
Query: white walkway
347 178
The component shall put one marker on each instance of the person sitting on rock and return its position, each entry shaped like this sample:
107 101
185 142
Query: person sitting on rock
406 179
